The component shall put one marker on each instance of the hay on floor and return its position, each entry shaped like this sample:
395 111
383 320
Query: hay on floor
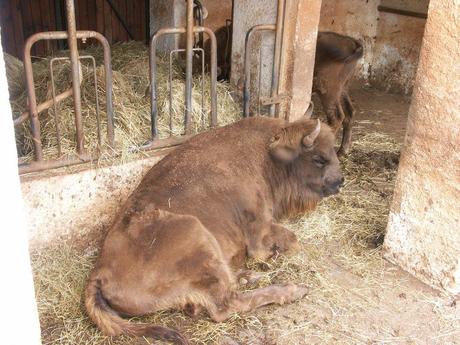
353 222
132 107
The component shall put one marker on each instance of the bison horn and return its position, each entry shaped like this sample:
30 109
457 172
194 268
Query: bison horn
309 110
309 139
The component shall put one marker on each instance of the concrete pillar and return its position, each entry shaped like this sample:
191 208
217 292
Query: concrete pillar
299 46
20 323
424 224
246 14
163 14
299 43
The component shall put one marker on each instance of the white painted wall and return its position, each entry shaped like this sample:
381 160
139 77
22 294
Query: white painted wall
19 320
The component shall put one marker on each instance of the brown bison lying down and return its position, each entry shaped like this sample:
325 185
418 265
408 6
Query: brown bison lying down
183 236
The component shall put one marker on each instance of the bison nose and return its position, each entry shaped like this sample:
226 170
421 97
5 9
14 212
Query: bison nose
337 183
333 187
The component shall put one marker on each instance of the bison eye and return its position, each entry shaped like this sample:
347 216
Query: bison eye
319 161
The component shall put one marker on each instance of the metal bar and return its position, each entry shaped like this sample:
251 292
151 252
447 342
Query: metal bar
33 111
203 112
402 12
153 72
189 67
32 167
54 164
259 91
43 106
277 54
108 86
170 93
73 46
54 99
171 53
120 19
212 38
56 117
247 61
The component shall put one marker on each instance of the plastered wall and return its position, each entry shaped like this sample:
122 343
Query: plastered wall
391 41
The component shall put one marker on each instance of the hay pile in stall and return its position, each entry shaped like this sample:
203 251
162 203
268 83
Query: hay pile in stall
352 223
130 65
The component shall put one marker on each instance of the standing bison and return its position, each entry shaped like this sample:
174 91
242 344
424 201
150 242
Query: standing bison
182 238
335 63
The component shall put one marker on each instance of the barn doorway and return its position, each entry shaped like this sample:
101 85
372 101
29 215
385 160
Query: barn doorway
356 296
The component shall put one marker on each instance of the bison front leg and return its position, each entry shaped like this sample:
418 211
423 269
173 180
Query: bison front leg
272 240
347 125
243 302
282 240
332 109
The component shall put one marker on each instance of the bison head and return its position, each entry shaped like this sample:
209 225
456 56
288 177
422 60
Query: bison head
305 151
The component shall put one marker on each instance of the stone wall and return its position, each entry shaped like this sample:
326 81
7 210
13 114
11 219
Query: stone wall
355 18
60 205
172 13
391 41
396 51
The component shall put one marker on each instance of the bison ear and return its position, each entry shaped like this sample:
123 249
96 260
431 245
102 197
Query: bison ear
309 140
282 152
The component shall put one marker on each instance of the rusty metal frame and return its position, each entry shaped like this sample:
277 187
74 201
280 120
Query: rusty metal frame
53 89
71 35
277 55
275 98
170 80
35 109
189 30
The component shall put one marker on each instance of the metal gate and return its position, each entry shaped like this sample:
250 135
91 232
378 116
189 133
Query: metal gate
194 14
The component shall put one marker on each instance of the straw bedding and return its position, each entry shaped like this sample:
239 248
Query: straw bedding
352 222
345 231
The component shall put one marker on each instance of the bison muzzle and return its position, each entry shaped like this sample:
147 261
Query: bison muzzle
182 237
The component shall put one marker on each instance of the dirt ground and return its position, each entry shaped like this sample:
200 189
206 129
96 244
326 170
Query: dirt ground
391 308
356 297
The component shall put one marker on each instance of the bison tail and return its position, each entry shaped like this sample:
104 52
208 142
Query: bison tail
112 324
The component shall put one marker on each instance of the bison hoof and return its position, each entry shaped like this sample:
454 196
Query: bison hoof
295 292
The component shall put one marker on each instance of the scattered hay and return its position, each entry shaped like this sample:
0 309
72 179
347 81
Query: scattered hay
131 106
354 221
